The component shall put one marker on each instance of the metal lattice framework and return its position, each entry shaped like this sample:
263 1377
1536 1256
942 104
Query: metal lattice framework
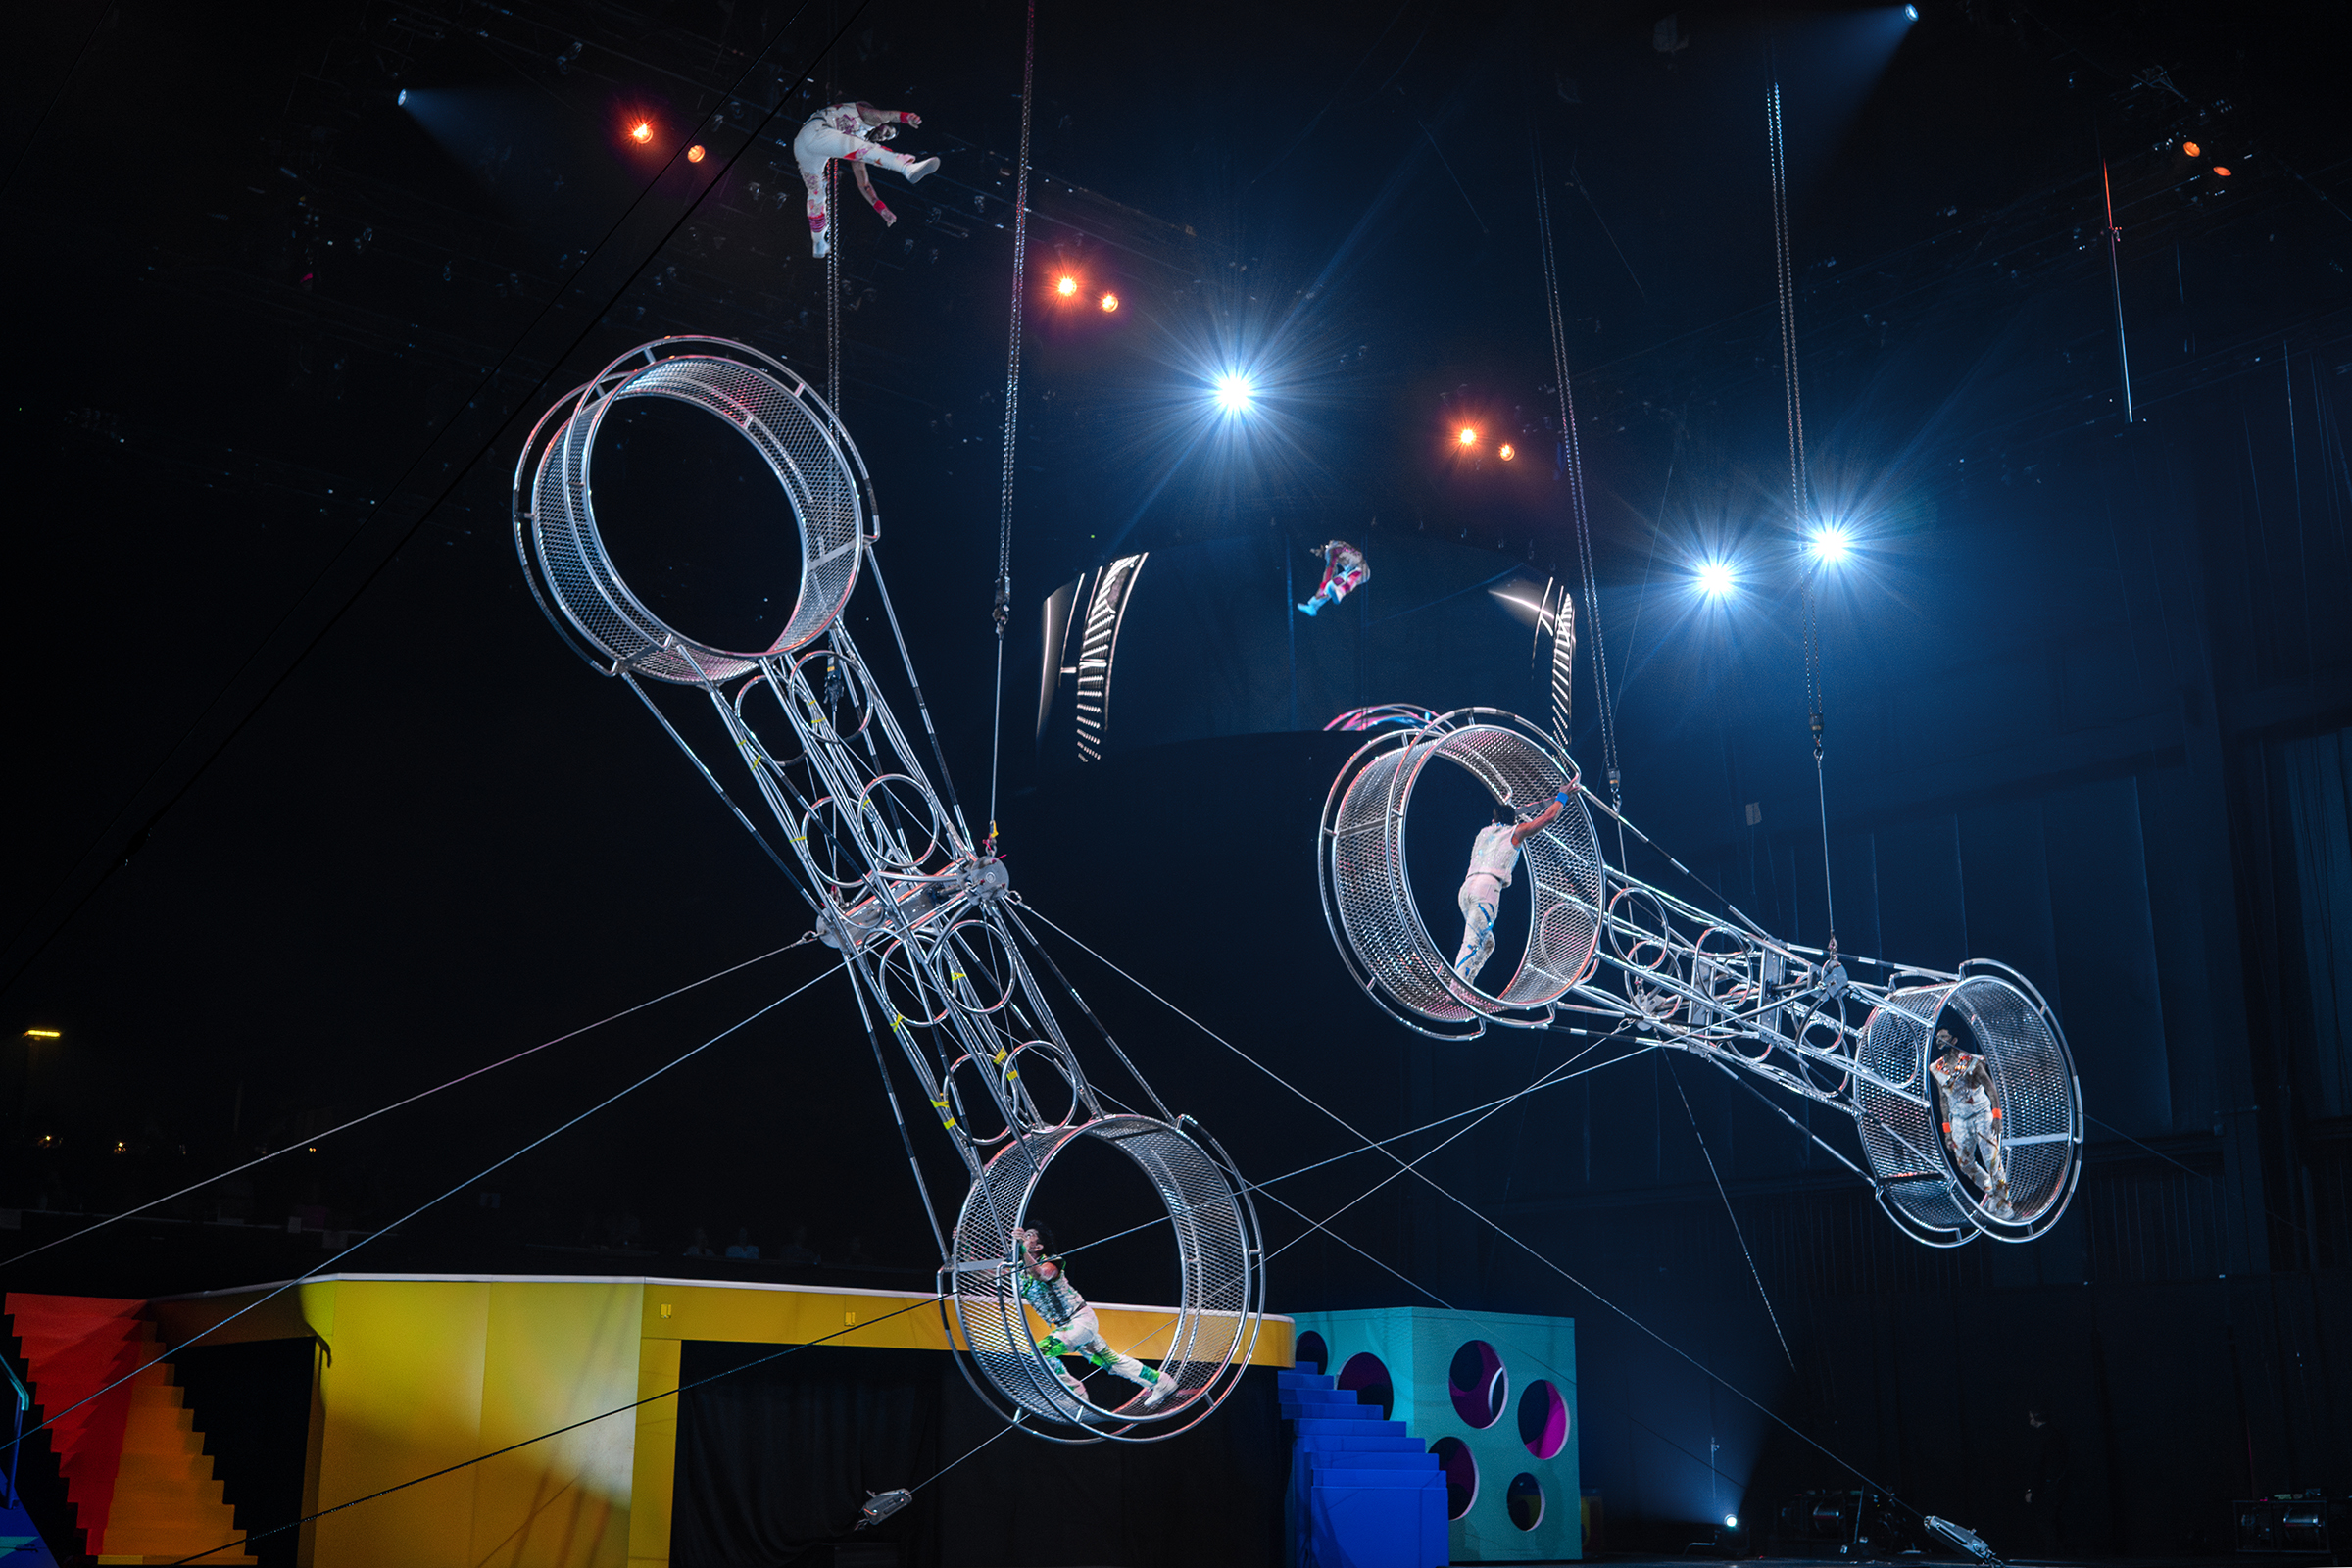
1603 945
924 918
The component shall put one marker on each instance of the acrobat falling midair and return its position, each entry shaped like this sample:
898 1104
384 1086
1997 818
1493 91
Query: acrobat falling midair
1344 572
848 131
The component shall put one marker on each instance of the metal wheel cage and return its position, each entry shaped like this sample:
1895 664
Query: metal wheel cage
991 1331
561 429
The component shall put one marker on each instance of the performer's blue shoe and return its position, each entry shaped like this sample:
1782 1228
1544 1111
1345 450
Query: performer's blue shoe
1308 608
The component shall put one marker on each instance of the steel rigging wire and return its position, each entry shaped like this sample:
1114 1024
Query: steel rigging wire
53 1417
1002 608
1801 481
1475 1213
317 1139
1572 458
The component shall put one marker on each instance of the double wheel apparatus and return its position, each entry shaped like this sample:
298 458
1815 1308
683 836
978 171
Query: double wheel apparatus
1605 949
919 909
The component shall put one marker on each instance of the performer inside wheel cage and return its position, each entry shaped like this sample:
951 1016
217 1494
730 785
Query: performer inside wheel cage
1972 1120
848 131
1492 854
1048 1290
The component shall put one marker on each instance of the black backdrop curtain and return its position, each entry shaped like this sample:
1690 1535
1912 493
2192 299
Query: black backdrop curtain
774 1461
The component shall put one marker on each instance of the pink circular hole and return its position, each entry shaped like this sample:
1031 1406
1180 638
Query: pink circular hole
1477 1383
1461 1474
1367 1377
1543 1420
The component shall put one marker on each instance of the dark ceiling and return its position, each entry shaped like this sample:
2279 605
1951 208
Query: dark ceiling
309 801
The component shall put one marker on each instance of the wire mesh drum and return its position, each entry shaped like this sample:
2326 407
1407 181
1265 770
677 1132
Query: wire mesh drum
785 421
1208 1336
1367 888
2035 1121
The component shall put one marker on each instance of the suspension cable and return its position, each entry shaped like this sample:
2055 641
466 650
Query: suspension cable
1731 1214
1002 611
1572 458
1800 480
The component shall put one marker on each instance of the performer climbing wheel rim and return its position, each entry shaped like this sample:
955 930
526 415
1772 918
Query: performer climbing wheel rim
1492 855
1344 572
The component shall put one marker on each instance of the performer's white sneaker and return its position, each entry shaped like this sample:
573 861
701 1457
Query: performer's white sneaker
929 166
824 246
1158 1394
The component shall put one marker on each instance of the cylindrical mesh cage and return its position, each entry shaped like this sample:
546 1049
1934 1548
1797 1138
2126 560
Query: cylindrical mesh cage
781 416
1367 888
1208 1334
1903 1114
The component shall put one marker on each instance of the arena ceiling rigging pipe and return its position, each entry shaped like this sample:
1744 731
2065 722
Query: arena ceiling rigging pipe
1978 1132
918 908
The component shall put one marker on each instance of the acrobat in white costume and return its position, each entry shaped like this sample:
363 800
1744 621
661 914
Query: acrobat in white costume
1492 854
1344 572
1048 1289
843 132
1972 1116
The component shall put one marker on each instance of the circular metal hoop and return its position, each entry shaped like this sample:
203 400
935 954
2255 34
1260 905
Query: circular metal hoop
797 437
1217 1244
1367 890
2042 1109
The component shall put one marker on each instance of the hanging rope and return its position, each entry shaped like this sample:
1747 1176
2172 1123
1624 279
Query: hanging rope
1002 608
1731 1214
1801 481
1572 458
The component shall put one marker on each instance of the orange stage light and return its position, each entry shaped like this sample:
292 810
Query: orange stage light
1111 302
642 132
1066 287
2222 170
1506 452
2192 149
693 154
1468 437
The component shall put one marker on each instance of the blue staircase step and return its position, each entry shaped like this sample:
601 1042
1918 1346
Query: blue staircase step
1329 1481
1366 1443
1331 1413
1300 1380
1320 1461
1301 1396
1365 1426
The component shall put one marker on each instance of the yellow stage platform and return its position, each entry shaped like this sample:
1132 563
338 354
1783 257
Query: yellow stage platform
416 1372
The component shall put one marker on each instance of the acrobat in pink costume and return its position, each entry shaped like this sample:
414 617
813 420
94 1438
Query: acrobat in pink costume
843 132
1344 572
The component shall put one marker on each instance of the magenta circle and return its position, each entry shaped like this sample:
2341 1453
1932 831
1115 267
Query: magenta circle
1478 1384
1542 1419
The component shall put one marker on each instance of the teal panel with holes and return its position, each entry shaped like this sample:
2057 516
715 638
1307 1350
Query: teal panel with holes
1494 1393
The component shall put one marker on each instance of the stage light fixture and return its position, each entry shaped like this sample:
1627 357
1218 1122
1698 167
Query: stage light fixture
2222 170
1111 302
1910 13
1830 545
1715 578
693 154
642 132
404 97
1235 393
42 1034
1467 437
1066 287
1506 452
2192 149
1730 1521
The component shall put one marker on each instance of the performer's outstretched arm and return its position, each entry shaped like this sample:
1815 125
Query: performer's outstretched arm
1537 824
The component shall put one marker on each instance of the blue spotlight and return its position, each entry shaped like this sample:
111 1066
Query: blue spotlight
1235 394
1715 578
1910 13
403 98
1730 1521
1831 544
